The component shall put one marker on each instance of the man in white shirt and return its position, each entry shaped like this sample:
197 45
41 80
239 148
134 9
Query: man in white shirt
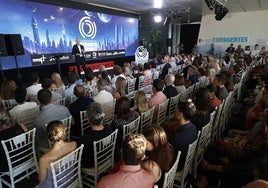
20 96
103 96
34 88
256 51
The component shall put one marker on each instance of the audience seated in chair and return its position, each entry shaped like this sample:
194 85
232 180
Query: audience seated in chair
182 132
141 103
20 97
179 83
165 67
8 129
103 96
47 84
48 113
158 150
203 108
138 75
98 131
123 116
219 81
118 72
120 88
158 96
130 175
56 135
34 88
214 101
169 90
80 104
7 89
57 81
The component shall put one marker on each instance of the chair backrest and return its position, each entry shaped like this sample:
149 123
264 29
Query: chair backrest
59 90
131 85
66 172
104 153
161 113
9 103
170 175
173 102
148 80
189 160
21 157
108 109
131 128
67 122
141 82
90 93
216 123
84 122
27 116
156 75
146 119
212 117
59 102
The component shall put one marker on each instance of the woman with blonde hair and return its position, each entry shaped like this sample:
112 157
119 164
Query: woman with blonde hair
141 102
56 80
120 87
60 148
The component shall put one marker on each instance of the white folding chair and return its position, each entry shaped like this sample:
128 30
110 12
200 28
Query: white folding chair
161 113
155 75
66 172
59 90
216 123
131 128
131 85
182 174
103 159
108 108
212 117
90 93
173 106
27 116
68 123
170 175
141 82
146 119
59 102
21 158
200 148
84 122
9 103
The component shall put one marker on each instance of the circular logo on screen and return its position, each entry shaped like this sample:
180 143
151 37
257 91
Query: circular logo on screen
87 28
141 52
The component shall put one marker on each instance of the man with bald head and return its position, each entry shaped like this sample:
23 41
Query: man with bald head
170 90
80 104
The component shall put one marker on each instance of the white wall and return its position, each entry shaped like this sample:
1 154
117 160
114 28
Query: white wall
245 28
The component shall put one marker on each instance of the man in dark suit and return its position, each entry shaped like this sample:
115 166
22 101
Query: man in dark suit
79 53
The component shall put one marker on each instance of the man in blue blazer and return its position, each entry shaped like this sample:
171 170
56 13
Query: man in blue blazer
79 53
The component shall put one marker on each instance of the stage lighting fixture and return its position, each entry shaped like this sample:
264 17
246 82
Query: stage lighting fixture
220 12
209 4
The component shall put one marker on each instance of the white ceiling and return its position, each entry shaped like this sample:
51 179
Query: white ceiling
189 9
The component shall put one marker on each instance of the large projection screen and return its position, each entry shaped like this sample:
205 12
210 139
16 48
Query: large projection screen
49 31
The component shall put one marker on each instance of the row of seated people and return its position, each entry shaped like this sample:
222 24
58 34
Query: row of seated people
45 100
240 156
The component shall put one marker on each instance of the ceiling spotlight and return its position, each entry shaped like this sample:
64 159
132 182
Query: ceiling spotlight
220 12
157 18
158 3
